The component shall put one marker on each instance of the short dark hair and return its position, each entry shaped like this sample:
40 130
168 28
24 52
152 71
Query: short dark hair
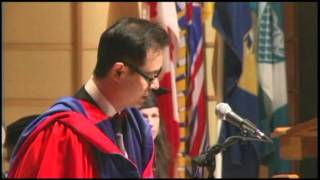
151 100
128 39
15 129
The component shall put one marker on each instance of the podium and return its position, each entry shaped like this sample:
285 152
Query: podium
299 141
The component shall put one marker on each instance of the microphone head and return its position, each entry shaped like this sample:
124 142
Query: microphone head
222 109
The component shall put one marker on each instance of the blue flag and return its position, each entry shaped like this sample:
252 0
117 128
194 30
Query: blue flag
233 22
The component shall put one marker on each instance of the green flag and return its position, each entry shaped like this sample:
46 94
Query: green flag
271 67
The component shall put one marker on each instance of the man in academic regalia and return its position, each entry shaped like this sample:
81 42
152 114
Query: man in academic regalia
99 133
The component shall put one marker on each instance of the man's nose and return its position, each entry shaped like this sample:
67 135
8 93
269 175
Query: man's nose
155 84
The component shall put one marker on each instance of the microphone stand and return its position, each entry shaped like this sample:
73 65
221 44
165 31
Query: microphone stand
207 158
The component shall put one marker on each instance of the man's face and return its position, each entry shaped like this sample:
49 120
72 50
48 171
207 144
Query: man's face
138 86
152 115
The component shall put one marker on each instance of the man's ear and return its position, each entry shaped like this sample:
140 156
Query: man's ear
117 69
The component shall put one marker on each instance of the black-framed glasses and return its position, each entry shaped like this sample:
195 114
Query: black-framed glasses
145 75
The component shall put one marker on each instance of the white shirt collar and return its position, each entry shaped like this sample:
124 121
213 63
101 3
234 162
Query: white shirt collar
98 97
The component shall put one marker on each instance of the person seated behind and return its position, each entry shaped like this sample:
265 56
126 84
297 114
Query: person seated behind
150 111
13 132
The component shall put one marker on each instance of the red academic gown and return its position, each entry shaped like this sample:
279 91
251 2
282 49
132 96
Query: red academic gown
68 144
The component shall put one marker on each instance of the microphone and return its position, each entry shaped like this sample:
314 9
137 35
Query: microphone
225 112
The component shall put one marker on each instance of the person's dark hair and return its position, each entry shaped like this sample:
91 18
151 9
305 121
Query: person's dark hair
151 100
128 39
163 153
14 130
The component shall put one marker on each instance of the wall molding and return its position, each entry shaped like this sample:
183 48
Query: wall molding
30 46
28 101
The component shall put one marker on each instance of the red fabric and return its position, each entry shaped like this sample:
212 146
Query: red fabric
53 150
63 141
171 125
189 11
148 171
95 115
62 146
199 136
153 9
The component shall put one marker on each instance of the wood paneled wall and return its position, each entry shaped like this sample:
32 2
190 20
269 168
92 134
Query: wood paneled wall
50 50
